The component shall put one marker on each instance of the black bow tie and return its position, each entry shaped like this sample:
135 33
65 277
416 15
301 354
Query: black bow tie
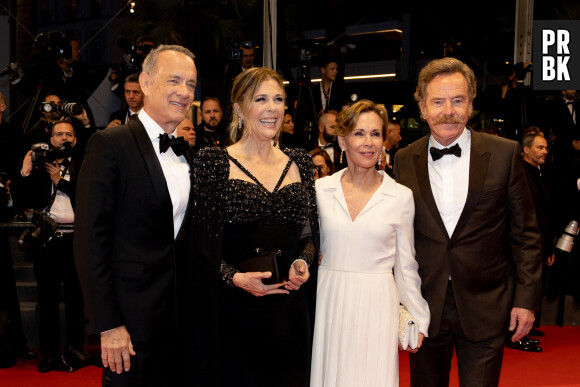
438 153
329 145
179 145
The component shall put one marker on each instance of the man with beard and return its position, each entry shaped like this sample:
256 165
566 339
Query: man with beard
210 132
327 139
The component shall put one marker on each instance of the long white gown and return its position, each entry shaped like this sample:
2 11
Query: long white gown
356 328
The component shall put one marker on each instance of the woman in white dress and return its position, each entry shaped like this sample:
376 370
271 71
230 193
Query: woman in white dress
368 261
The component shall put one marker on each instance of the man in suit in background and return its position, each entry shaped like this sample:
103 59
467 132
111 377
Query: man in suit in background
476 238
134 99
329 94
133 203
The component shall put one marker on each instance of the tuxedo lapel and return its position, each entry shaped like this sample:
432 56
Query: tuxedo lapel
478 164
422 171
152 162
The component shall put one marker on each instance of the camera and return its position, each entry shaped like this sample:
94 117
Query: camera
235 52
65 108
42 153
133 56
49 46
566 240
44 229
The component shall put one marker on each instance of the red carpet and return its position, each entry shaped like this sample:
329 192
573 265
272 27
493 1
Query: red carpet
558 365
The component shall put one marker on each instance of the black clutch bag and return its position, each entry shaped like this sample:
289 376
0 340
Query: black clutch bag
266 261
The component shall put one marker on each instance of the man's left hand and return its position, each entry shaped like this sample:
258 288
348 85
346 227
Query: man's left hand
54 171
523 319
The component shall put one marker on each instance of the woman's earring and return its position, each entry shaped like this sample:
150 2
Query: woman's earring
380 158
341 154
239 122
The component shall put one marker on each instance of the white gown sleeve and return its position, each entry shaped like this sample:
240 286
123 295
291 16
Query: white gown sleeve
405 269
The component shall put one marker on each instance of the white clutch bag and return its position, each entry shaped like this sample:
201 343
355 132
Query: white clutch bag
408 329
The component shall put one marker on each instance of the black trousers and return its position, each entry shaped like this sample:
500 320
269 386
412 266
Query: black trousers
54 266
8 295
478 363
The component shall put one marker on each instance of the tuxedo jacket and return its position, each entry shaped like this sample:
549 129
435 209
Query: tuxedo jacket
127 258
494 255
35 191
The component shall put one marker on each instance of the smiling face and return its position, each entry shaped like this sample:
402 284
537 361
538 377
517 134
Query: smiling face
364 144
169 89
446 107
266 111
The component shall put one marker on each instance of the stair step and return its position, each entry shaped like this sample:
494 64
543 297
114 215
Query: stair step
26 291
24 272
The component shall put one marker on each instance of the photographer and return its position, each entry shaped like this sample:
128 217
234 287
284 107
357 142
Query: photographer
47 184
65 75
12 339
53 109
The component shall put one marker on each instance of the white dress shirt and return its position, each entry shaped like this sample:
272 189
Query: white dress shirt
328 148
175 168
61 210
449 177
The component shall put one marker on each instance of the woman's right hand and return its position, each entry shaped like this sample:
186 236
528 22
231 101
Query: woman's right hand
252 283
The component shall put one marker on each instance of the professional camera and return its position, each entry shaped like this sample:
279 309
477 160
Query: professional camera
65 108
235 51
566 241
50 46
41 234
133 55
42 153
14 72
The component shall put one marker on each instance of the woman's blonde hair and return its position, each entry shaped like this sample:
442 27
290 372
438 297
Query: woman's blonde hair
243 91
347 119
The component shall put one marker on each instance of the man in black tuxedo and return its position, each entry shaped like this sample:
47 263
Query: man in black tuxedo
327 140
134 98
133 210
476 237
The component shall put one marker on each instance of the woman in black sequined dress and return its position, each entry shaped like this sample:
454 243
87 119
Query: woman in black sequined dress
252 197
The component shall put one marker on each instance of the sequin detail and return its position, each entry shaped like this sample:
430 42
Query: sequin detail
242 202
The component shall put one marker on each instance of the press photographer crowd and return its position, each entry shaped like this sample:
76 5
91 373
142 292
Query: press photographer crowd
107 215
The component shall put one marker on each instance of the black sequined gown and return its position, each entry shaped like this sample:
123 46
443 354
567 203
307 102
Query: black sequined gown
263 341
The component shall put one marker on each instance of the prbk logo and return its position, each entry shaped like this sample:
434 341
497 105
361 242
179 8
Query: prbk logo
556 59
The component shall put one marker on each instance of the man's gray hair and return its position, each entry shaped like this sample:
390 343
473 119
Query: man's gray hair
150 62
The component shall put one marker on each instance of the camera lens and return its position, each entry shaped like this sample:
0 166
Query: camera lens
72 108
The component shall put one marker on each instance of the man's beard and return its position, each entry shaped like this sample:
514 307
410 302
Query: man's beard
328 137
211 125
